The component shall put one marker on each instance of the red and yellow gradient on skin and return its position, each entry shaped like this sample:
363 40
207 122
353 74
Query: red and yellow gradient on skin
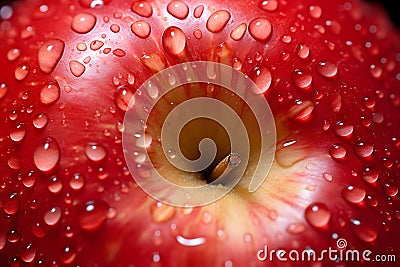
336 111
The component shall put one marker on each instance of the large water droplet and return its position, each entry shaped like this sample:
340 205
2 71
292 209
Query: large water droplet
11 203
327 69
52 216
83 22
238 32
262 78
301 79
173 40
77 68
142 8
50 93
28 253
141 29
315 11
317 215
363 231
218 20
19 132
353 194
178 9
95 152
93 215
260 29
370 175
49 55
302 51
342 129
198 11
47 154
162 213
122 96
391 190
337 151
40 120
363 150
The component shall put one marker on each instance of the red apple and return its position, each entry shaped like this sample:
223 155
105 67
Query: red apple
330 71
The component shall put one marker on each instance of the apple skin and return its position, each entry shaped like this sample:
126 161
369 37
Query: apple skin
128 228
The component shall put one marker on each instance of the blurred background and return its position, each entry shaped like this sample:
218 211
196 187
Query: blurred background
392 7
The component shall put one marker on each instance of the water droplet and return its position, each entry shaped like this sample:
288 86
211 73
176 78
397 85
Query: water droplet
237 64
52 216
96 45
302 51
19 132
141 29
376 71
370 175
142 8
152 90
3 90
28 253
68 256
162 213
50 93
119 52
40 120
173 40
260 29
77 68
115 28
315 11
197 33
154 62
13 54
328 177
327 69
391 190
93 215
55 185
77 181
49 55
287 39
317 215
301 78
198 11
337 151
218 20
363 231
178 9
143 141
95 152
47 155
238 32
296 228
83 22
81 46
363 150
37 230
21 72
262 78
268 5
336 102
13 236
353 194
122 97
342 129
11 203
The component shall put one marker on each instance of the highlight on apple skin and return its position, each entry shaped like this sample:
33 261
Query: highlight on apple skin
312 87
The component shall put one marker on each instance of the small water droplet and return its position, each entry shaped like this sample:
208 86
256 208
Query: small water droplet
28 253
391 190
50 93
198 11
363 150
268 5
11 203
173 40
3 90
162 213
96 45
218 20
197 33
301 79
77 68
327 69
93 215
142 8
13 54
52 216
95 152
363 231
19 132
141 29
328 177
154 62
115 28
343 130
83 22
317 215
178 9
81 46
287 39
370 175
337 151
55 185
122 97
302 51
375 71
119 52
152 90
47 155
296 228
260 29
353 194
21 72
50 54
262 77
40 120
238 32
315 11
77 181
68 256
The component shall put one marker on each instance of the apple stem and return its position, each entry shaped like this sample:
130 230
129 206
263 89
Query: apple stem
226 166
